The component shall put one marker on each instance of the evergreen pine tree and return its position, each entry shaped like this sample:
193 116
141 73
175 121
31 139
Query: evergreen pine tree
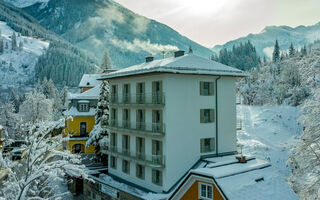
276 52
304 50
14 41
100 132
105 62
292 51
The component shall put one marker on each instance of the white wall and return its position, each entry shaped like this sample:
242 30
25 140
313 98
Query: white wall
181 115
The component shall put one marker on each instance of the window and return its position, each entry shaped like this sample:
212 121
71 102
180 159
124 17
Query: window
157 92
156 177
113 162
206 89
126 118
140 119
206 115
83 129
207 145
157 152
126 93
126 166
114 117
83 107
140 147
157 121
114 94
113 141
140 91
205 191
126 144
140 171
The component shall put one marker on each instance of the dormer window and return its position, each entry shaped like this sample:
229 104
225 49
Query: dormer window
83 106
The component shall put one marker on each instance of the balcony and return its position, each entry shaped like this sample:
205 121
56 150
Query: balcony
154 129
140 99
150 160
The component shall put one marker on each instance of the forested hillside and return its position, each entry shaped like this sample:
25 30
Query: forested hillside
264 41
99 25
55 63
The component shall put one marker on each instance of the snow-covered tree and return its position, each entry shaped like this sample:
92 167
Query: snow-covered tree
14 41
47 88
20 46
292 50
98 135
9 119
36 108
105 62
44 164
64 97
276 52
305 157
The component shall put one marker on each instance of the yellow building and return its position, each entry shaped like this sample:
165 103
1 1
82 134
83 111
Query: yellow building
80 118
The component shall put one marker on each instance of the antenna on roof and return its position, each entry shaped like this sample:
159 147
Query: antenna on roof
190 50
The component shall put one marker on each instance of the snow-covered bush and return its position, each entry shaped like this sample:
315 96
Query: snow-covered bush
43 162
305 157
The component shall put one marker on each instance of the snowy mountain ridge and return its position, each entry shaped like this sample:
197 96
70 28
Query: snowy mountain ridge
25 3
265 40
17 67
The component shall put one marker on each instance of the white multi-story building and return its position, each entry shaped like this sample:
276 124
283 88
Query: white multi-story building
165 115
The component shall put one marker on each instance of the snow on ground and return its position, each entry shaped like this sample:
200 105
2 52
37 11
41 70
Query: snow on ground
17 68
268 132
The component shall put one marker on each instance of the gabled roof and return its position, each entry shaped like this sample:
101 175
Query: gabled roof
187 64
90 80
256 179
91 94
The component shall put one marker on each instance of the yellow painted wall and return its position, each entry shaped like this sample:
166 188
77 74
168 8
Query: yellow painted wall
73 125
88 150
193 192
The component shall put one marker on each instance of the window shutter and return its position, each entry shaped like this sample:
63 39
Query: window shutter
137 116
153 176
211 115
201 88
123 142
144 115
202 116
211 88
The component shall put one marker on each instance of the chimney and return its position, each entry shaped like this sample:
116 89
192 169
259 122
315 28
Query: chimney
178 53
149 58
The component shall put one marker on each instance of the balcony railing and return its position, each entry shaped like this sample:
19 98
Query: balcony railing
139 127
155 98
154 160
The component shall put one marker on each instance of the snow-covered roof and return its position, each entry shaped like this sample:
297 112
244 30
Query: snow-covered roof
187 64
73 111
89 80
256 179
87 95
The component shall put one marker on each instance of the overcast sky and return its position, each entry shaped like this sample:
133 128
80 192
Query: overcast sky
211 22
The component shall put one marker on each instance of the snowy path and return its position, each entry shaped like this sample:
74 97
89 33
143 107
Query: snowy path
268 133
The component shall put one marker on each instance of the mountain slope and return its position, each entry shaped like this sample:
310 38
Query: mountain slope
265 40
17 68
54 62
96 25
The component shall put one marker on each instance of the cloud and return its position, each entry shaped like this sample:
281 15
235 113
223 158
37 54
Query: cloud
140 24
138 45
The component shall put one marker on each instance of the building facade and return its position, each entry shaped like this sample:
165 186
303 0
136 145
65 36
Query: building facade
80 117
165 115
